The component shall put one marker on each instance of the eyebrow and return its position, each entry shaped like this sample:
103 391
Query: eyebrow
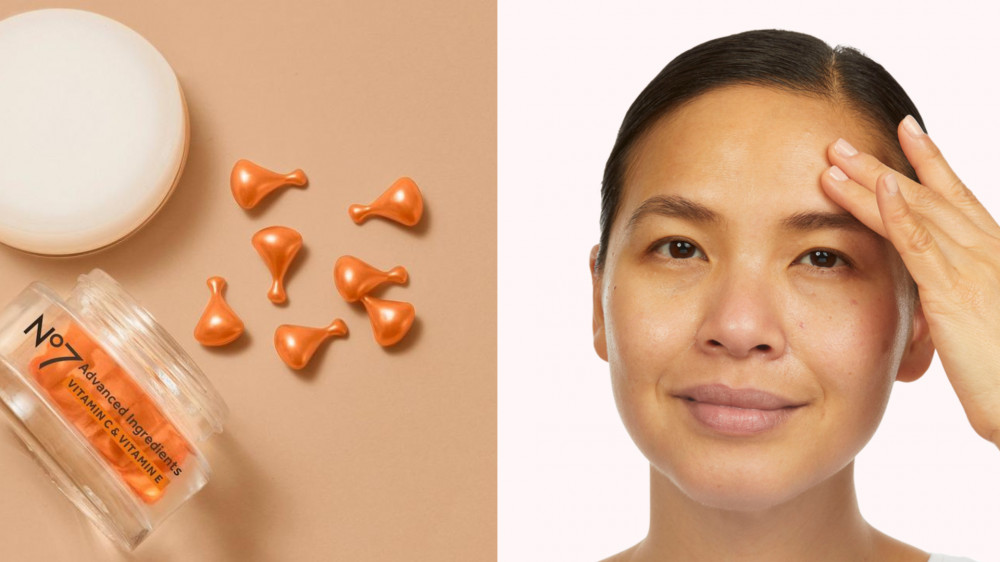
680 207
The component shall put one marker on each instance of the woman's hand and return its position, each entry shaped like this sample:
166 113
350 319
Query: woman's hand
951 247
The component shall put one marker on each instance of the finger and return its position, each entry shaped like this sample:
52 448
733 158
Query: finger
935 172
862 203
866 169
913 239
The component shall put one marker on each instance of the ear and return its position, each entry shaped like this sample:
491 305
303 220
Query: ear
600 342
920 350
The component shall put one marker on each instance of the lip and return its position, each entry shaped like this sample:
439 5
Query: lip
743 411
750 398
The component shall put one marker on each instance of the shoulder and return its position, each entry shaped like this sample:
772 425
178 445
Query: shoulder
936 557
623 556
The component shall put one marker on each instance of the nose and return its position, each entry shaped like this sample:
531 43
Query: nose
742 319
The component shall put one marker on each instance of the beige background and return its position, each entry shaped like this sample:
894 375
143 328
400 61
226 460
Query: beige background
370 454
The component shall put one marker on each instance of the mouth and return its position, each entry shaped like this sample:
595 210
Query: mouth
737 412
689 399
743 398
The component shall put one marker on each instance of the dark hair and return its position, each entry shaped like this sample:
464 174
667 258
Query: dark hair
785 60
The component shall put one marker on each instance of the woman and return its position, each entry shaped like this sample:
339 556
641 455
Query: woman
756 293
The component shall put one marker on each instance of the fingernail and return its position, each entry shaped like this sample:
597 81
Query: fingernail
912 127
890 184
845 148
838 174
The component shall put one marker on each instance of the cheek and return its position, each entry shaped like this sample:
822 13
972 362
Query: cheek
645 334
637 328
642 327
848 342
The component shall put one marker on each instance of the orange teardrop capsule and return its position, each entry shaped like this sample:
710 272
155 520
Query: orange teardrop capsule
402 202
297 344
390 319
218 325
251 183
277 245
355 278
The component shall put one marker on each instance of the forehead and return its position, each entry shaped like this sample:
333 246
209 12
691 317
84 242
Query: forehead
744 150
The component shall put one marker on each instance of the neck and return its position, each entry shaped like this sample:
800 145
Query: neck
822 523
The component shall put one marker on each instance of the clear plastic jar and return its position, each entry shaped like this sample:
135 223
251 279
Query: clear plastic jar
108 402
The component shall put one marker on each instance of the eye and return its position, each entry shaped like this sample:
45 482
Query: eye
822 258
819 258
676 248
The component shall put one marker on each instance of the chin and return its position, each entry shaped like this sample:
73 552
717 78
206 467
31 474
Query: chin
739 486
737 498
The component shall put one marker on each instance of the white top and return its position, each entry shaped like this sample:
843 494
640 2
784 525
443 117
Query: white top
935 557
93 131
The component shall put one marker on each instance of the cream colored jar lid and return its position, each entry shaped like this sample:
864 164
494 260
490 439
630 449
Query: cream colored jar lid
93 131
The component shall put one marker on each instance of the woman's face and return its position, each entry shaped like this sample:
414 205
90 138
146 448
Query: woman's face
746 304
